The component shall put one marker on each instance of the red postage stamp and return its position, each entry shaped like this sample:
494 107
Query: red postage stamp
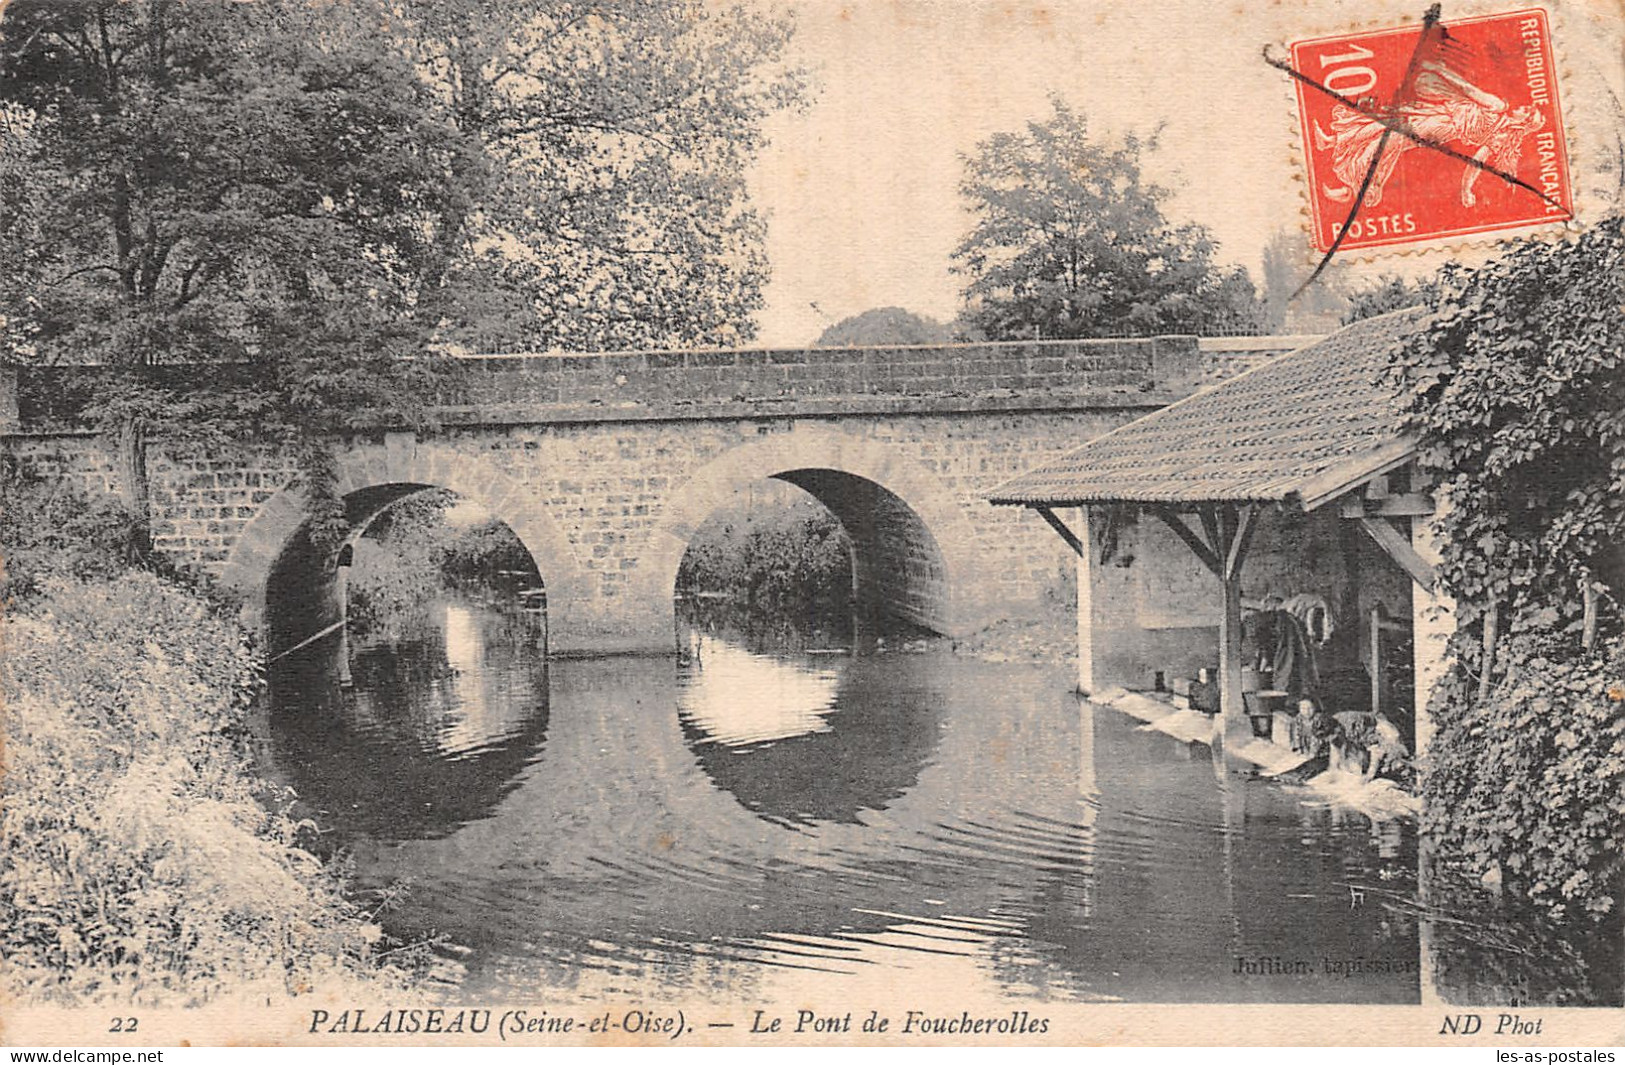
1466 106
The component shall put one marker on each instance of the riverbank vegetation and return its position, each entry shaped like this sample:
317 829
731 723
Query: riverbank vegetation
1516 388
419 547
783 557
143 859
784 553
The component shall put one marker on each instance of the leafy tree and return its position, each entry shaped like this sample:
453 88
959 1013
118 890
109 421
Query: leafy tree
216 181
329 193
883 325
1070 241
607 144
793 557
1516 391
1288 262
1387 293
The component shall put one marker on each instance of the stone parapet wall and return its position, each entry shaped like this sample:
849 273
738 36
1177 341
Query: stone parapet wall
1224 357
631 386
682 379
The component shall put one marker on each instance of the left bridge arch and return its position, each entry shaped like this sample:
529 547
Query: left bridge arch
371 479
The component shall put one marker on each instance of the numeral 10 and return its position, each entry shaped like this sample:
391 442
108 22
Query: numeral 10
1349 81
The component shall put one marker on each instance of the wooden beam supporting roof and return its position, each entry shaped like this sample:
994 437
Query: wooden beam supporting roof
1209 517
1060 526
1400 550
1200 549
1229 532
1404 505
1320 490
1243 540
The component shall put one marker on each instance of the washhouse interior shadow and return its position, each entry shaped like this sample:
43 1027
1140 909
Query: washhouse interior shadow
787 599
408 665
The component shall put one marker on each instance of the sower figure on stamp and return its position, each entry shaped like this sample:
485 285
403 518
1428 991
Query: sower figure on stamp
1445 109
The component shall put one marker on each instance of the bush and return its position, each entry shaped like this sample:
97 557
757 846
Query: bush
1554 725
411 554
48 526
484 551
1515 390
772 561
139 862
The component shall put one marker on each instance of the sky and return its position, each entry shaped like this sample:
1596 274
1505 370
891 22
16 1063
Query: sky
860 187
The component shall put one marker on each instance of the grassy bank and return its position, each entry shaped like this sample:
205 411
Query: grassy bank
142 860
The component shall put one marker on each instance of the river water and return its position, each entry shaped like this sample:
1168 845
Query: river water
745 819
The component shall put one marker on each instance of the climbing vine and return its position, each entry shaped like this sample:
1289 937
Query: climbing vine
1515 389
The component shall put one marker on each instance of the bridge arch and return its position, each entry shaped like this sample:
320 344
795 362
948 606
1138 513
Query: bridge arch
914 543
373 478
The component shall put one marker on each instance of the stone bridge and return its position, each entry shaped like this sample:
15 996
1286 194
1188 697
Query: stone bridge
605 465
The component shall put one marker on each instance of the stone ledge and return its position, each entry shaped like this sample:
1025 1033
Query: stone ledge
794 406
750 409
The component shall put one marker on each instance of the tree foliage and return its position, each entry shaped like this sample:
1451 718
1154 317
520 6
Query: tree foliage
882 326
51 527
606 148
207 182
1516 391
331 192
795 557
1070 241
1386 293
412 553
1288 262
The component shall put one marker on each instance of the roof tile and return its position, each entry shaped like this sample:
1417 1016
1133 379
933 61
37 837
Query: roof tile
1261 436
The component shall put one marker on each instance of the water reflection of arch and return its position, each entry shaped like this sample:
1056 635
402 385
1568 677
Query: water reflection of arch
618 832
273 556
807 740
427 740
916 551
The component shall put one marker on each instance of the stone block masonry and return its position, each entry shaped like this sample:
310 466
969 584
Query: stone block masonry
606 464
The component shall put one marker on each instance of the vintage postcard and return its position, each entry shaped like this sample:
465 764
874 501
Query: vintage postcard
805 523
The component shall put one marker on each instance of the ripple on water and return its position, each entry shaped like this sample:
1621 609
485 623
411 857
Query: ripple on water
628 824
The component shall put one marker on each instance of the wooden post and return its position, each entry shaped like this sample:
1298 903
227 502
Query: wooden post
1492 627
1088 574
1229 532
342 578
1588 623
1433 622
1376 659
1231 704
1233 531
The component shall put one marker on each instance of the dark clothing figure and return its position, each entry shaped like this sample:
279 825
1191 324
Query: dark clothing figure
1366 742
1311 730
1285 648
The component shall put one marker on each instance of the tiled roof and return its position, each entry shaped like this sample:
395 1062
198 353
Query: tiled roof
1302 427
